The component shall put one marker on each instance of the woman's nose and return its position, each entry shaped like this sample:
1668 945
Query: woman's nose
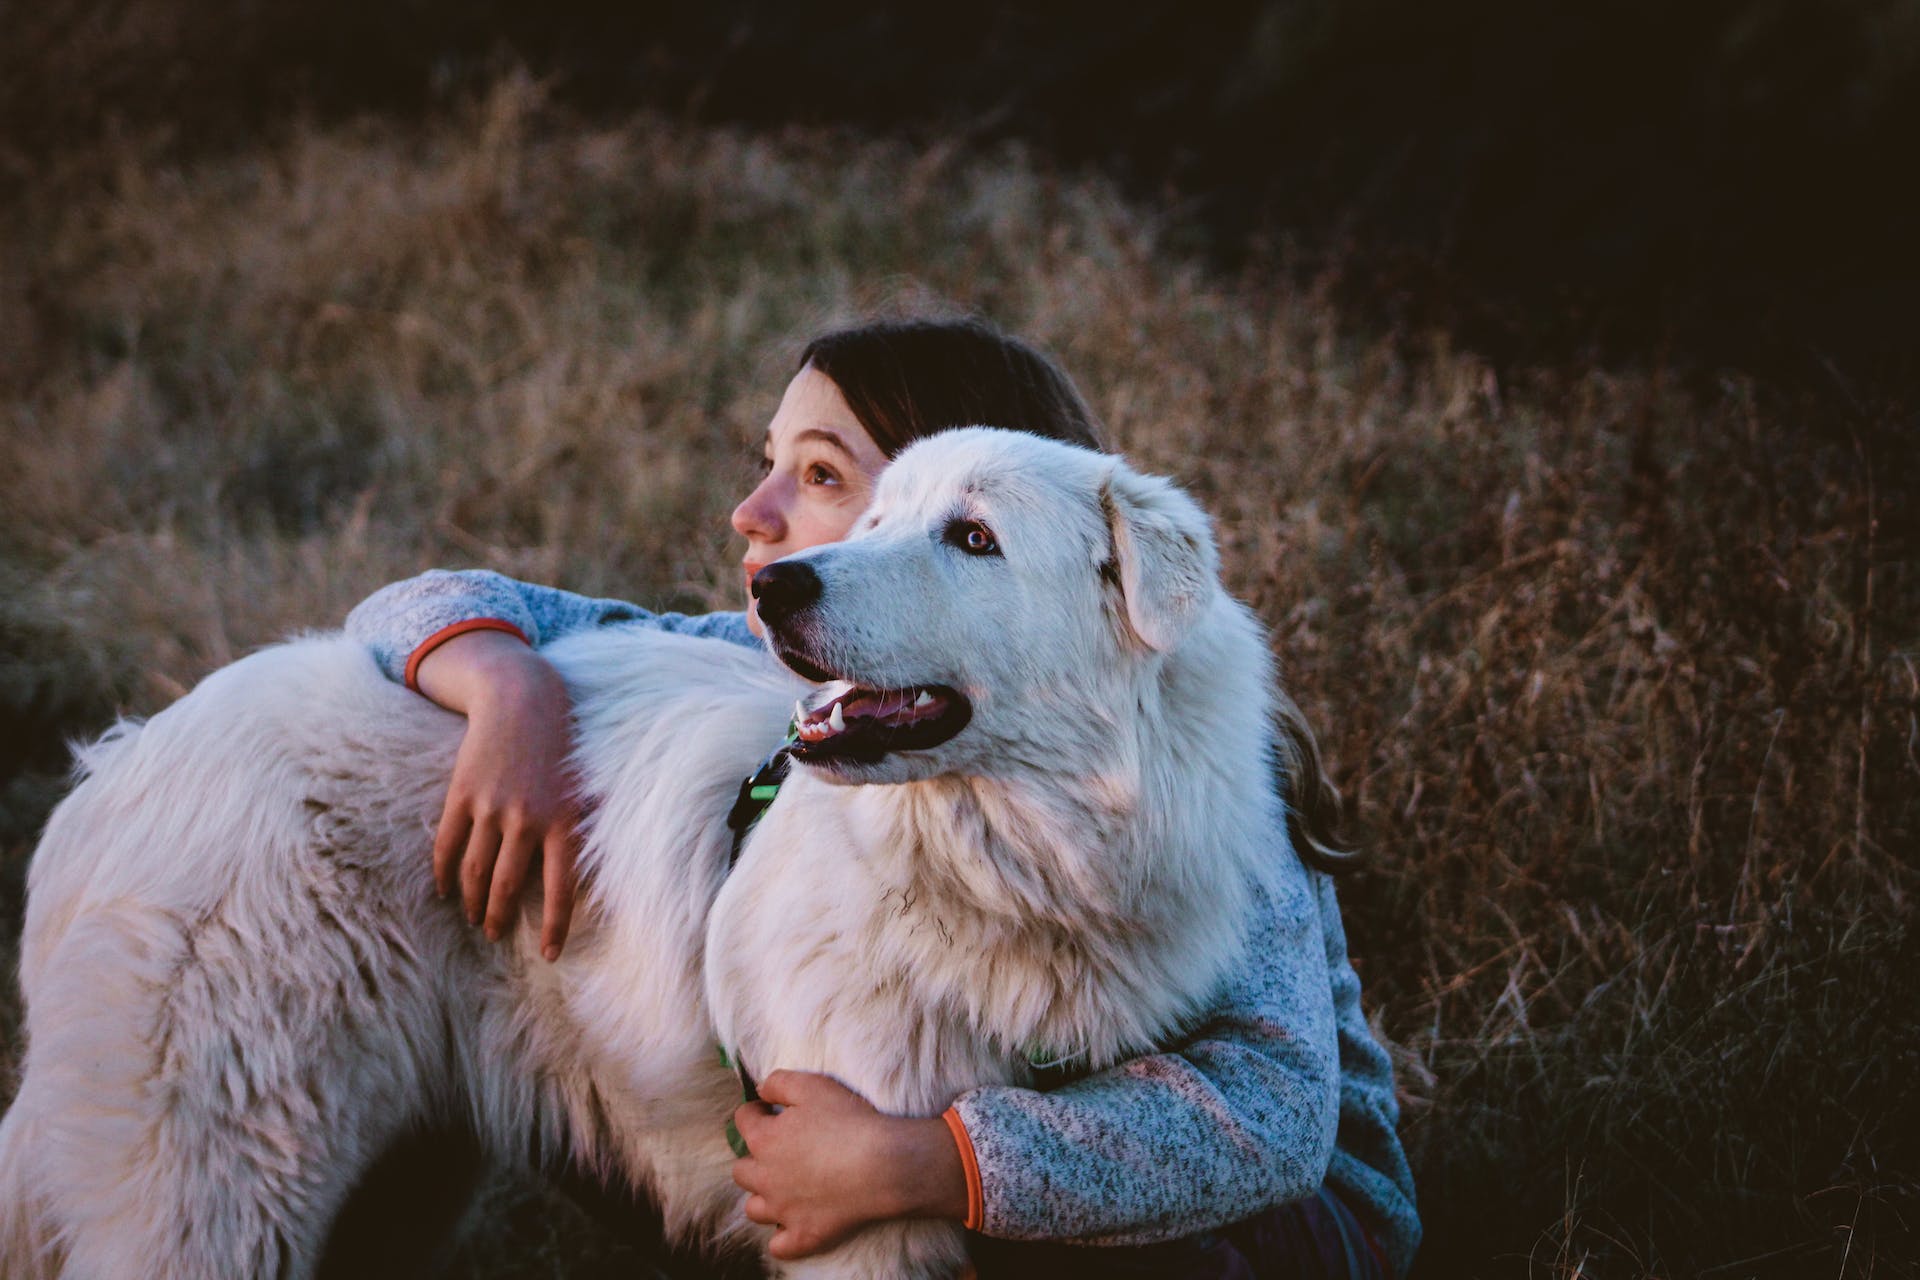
758 517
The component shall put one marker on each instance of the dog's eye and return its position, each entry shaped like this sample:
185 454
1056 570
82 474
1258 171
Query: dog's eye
972 537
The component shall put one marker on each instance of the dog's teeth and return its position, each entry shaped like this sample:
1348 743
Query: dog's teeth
799 712
922 700
836 721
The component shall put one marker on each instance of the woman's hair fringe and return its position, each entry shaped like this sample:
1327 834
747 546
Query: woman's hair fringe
1313 802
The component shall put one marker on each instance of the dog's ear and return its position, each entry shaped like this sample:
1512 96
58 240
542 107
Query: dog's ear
1160 555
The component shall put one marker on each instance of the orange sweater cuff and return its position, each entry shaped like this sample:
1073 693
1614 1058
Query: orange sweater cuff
976 1203
447 633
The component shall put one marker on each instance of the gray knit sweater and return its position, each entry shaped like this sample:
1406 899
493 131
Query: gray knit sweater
1280 1089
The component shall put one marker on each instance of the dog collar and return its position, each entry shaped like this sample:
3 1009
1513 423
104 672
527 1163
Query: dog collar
749 1092
757 791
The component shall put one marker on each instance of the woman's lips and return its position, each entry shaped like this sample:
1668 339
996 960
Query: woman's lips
749 568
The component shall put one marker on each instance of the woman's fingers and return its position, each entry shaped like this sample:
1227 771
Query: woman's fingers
450 841
791 1243
517 849
509 799
476 868
559 853
493 867
790 1088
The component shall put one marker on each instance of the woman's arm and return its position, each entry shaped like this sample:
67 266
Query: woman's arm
510 797
1240 1117
468 640
1233 1122
404 622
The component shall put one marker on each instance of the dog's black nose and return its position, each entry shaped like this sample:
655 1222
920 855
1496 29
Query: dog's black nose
784 588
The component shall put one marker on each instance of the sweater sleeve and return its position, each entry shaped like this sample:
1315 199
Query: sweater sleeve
1369 1166
1238 1118
401 621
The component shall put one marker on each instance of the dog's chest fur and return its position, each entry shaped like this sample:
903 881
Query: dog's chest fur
919 939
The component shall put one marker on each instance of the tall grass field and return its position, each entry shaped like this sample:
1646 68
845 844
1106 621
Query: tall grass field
1620 677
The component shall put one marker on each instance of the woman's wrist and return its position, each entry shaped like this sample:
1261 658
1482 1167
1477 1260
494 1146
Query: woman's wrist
930 1180
483 673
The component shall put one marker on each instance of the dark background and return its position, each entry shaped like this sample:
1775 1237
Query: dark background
1625 196
1704 185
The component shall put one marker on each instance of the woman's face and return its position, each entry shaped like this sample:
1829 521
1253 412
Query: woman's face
820 468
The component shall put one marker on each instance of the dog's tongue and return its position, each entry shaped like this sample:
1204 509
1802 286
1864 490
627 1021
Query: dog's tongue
853 709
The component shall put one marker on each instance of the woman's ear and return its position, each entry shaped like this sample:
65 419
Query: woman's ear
1161 555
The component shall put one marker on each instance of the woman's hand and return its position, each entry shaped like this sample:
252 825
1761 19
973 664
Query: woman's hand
828 1164
511 797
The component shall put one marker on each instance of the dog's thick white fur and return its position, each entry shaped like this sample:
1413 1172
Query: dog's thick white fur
240 986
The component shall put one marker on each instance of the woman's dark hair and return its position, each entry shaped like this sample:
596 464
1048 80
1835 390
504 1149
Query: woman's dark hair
905 379
1313 802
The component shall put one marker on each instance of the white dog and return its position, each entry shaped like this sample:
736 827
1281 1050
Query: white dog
1023 818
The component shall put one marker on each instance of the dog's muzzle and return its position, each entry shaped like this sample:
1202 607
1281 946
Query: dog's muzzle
857 723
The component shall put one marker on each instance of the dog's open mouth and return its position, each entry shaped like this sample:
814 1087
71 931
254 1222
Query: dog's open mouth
861 724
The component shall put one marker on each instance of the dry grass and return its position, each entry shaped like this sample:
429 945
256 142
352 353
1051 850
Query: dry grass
1619 679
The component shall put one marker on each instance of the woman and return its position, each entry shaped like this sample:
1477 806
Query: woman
1209 1159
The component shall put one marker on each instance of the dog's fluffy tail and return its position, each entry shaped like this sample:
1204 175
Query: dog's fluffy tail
28 1249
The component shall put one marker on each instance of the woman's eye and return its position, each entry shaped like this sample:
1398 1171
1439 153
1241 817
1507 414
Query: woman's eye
766 465
818 474
973 538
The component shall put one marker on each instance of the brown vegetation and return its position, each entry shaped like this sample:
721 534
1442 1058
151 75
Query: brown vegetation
1619 680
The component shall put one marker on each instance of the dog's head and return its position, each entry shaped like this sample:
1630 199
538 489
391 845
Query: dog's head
999 600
